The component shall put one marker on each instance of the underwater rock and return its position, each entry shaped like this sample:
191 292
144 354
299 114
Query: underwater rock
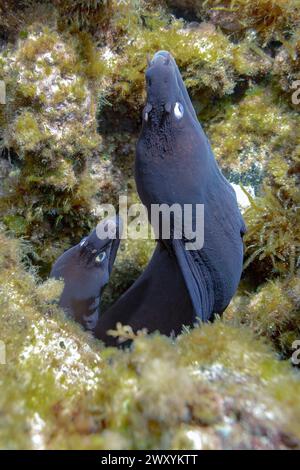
84 14
272 239
227 20
272 312
56 168
286 67
251 133
232 393
270 18
58 176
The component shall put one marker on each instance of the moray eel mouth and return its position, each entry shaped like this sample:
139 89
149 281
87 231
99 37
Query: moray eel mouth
166 112
100 248
163 91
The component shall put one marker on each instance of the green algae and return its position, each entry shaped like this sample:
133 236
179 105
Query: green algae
68 392
252 130
270 18
209 61
83 14
59 161
273 233
272 312
50 126
28 134
273 237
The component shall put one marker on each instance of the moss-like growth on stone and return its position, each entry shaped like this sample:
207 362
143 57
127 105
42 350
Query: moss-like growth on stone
50 128
270 18
272 312
252 131
273 234
212 388
218 386
83 14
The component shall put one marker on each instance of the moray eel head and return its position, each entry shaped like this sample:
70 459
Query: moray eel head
164 97
85 269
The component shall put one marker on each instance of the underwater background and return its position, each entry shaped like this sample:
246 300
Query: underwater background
74 85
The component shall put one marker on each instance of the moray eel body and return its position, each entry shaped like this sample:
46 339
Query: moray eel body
85 269
158 301
175 164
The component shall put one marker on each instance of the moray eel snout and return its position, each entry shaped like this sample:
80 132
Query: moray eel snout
161 84
85 270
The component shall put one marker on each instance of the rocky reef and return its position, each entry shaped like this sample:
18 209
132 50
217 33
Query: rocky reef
213 387
74 83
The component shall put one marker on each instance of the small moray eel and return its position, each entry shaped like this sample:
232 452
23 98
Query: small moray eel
175 164
85 269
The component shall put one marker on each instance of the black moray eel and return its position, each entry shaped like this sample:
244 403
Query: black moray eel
175 164
85 269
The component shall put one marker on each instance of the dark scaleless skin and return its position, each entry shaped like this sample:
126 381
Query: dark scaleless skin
175 164
157 301
85 269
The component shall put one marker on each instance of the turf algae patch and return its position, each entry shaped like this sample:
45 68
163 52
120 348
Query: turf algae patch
50 130
272 312
217 386
214 387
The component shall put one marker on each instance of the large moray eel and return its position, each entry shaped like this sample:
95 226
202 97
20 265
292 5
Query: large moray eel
175 164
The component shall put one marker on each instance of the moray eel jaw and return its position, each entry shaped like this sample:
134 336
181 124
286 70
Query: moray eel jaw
85 270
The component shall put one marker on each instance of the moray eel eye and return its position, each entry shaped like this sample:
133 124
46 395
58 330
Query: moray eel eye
82 243
101 257
178 110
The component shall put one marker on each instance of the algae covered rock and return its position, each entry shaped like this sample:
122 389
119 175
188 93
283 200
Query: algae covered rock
270 18
251 133
273 312
214 387
74 78
51 142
